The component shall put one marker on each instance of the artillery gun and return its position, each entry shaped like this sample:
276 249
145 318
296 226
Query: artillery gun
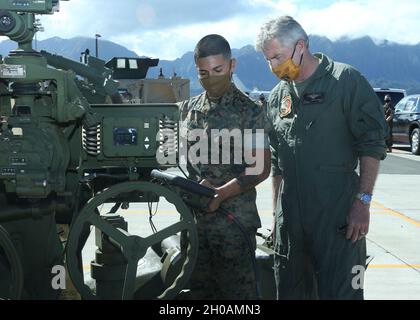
68 158
121 80
93 78
62 159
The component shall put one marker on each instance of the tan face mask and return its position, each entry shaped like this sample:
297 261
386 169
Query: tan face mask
216 86
288 70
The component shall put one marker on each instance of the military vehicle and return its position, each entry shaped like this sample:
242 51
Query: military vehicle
136 88
65 159
121 80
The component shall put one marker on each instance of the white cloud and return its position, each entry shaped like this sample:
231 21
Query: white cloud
171 44
167 29
379 19
392 20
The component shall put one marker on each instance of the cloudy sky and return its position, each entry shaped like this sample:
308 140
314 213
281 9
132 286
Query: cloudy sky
169 28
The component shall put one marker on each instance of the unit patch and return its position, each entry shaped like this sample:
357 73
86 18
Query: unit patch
286 106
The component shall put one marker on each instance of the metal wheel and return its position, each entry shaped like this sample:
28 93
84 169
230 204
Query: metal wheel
133 247
16 269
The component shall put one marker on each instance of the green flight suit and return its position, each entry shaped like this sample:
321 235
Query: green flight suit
320 129
223 268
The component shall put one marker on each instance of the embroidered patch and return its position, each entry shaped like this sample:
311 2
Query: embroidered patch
286 106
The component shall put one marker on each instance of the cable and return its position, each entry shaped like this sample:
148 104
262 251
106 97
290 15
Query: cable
115 208
151 216
185 175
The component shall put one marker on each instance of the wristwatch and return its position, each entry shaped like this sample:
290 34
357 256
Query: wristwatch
366 198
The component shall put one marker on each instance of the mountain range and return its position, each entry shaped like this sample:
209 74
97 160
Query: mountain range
384 64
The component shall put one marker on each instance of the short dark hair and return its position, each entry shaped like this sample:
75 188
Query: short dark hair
212 45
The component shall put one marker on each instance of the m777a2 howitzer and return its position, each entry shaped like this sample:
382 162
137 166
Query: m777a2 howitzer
96 83
61 160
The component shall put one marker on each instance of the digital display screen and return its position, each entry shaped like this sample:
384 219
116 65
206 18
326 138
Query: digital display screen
125 136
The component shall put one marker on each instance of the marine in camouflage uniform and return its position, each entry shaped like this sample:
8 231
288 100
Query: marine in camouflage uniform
224 269
326 117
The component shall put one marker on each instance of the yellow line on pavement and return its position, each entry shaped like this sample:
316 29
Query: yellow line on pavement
396 214
174 212
393 266
371 266
381 209
263 187
159 212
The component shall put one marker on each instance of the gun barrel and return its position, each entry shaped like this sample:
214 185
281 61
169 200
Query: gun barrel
60 62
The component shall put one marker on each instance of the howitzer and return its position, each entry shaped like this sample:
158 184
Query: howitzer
97 84
62 159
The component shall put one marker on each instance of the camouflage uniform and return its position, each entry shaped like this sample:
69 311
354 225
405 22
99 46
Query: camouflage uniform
224 269
321 127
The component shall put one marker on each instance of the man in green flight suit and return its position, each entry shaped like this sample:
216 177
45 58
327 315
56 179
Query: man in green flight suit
224 268
326 120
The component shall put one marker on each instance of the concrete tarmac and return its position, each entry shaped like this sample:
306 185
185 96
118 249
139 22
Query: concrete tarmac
393 240
394 237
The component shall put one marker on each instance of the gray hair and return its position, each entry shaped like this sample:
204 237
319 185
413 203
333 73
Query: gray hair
285 29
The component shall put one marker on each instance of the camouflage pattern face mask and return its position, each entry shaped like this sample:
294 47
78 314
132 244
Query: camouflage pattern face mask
216 86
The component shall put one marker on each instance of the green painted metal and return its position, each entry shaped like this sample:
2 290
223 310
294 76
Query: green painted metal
97 84
133 247
16 271
57 150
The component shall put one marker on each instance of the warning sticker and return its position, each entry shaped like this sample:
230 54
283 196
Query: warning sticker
11 71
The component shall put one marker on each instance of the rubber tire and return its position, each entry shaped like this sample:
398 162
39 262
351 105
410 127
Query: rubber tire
415 149
15 264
